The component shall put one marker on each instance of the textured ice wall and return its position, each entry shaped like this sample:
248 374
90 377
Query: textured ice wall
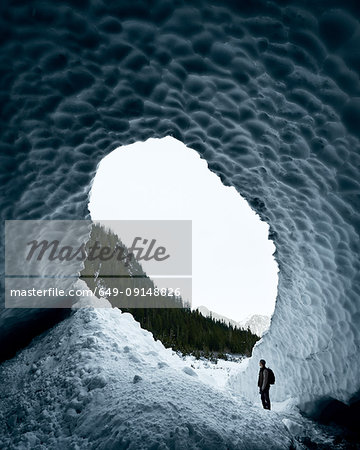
267 92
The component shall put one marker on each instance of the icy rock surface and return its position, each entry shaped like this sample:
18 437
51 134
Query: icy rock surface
97 380
267 92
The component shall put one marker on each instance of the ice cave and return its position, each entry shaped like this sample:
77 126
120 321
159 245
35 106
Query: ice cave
267 92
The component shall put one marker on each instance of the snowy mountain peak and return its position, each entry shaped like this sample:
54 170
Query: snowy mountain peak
257 323
207 313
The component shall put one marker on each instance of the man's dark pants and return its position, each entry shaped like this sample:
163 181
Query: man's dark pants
265 398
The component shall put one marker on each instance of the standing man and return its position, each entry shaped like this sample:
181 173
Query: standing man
264 384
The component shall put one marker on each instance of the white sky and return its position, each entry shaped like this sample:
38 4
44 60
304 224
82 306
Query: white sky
234 273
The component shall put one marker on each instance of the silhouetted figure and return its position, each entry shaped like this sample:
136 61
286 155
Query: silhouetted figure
264 384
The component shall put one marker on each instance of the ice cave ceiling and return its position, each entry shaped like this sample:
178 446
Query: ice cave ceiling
267 92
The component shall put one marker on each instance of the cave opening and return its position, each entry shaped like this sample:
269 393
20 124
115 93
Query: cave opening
234 271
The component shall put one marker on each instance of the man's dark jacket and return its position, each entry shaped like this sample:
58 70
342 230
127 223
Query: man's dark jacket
263 381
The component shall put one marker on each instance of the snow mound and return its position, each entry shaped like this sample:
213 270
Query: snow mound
98 380
90 300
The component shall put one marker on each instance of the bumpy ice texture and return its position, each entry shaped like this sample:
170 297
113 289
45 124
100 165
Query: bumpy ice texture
267 92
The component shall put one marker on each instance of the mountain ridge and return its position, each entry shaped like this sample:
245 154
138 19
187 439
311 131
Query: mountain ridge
258 323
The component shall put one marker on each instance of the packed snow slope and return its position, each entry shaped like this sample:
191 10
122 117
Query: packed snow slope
266 91
97 380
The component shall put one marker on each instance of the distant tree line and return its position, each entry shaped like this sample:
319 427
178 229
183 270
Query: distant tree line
166 316
191 333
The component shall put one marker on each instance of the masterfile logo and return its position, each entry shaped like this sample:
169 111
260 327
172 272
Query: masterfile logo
43 260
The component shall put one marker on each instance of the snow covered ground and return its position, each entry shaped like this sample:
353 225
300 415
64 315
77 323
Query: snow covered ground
216 374
98 380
